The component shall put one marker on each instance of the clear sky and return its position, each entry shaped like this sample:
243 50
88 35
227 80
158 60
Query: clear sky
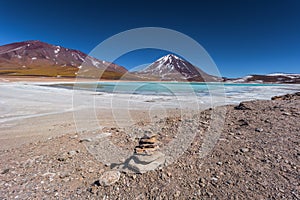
243 37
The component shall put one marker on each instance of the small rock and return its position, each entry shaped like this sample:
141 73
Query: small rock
66 179
243 122
169 174
215 179
286 161
72 153
244 150
286 113
73 137
219 163
105 129
202 184
265 160
259 130
177 194
86 140
5 171
202 180
64 175
93 189
229 182
241 106
62 158
148 133
79 191
133 176
109 177
144 163
209 194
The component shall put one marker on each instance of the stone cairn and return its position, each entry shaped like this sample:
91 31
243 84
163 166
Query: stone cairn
146 156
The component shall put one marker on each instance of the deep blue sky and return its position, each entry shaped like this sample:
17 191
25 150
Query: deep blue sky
243 37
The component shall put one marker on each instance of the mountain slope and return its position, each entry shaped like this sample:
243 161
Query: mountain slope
173 68
39 58
268 78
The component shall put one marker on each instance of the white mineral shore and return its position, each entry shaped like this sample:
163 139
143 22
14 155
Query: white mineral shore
30 112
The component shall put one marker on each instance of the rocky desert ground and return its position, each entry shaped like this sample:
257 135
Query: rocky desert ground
256 156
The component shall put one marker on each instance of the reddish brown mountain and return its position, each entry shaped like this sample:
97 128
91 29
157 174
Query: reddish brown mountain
39 58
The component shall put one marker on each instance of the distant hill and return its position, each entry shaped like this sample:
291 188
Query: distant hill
38 58
269 78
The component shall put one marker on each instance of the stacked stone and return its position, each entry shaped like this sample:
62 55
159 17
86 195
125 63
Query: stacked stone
146 156
147 145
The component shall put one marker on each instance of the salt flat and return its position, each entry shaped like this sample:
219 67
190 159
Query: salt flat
30 111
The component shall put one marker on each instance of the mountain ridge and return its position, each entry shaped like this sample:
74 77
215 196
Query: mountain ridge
37 58
34 57
287 78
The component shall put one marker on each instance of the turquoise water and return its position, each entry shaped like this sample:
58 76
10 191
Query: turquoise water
166 88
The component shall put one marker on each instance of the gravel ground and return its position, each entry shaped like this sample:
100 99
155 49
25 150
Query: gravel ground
257 156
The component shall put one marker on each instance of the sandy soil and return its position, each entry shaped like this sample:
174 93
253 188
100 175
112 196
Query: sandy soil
257 156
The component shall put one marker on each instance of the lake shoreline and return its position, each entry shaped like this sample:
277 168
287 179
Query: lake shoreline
60 111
